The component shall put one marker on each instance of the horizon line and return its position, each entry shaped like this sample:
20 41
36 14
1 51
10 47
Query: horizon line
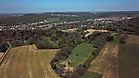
73 11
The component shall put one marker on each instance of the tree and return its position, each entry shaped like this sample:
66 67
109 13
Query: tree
3 46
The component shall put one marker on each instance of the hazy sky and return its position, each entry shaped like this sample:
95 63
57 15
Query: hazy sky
38 6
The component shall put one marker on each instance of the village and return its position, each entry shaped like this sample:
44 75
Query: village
44 25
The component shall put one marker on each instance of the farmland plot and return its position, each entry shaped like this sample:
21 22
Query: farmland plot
23 62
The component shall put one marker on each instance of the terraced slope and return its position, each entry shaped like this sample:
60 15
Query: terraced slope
28 62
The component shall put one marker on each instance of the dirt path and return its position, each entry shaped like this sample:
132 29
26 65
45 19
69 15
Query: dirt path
106 62
91 31
70 30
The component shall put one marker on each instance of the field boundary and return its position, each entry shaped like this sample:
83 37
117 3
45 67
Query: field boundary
3 56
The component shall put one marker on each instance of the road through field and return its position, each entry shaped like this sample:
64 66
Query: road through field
21 62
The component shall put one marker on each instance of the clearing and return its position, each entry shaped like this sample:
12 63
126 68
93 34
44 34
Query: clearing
129 61
106 63
80 53
91 31
23 62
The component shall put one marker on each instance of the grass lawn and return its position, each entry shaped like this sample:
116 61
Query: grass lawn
129 61
88 74
28 62
80 53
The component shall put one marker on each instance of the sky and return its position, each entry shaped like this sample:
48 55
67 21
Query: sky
40 6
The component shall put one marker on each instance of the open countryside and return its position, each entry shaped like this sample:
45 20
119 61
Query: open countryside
26 63
67 39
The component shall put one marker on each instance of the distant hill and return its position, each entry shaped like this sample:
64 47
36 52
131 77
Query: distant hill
22 19
28 18
9 15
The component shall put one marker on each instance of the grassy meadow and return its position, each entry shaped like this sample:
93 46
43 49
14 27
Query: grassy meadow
80 53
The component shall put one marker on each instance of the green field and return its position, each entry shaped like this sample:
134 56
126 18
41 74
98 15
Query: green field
88 74
129 61
80 53
28 62
52 19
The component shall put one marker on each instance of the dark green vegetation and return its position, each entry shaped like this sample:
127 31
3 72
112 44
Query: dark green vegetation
122 27
125 26
80 54
91 75
128 61
116 39
3 46
130 26
42 38
45 42
19 38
